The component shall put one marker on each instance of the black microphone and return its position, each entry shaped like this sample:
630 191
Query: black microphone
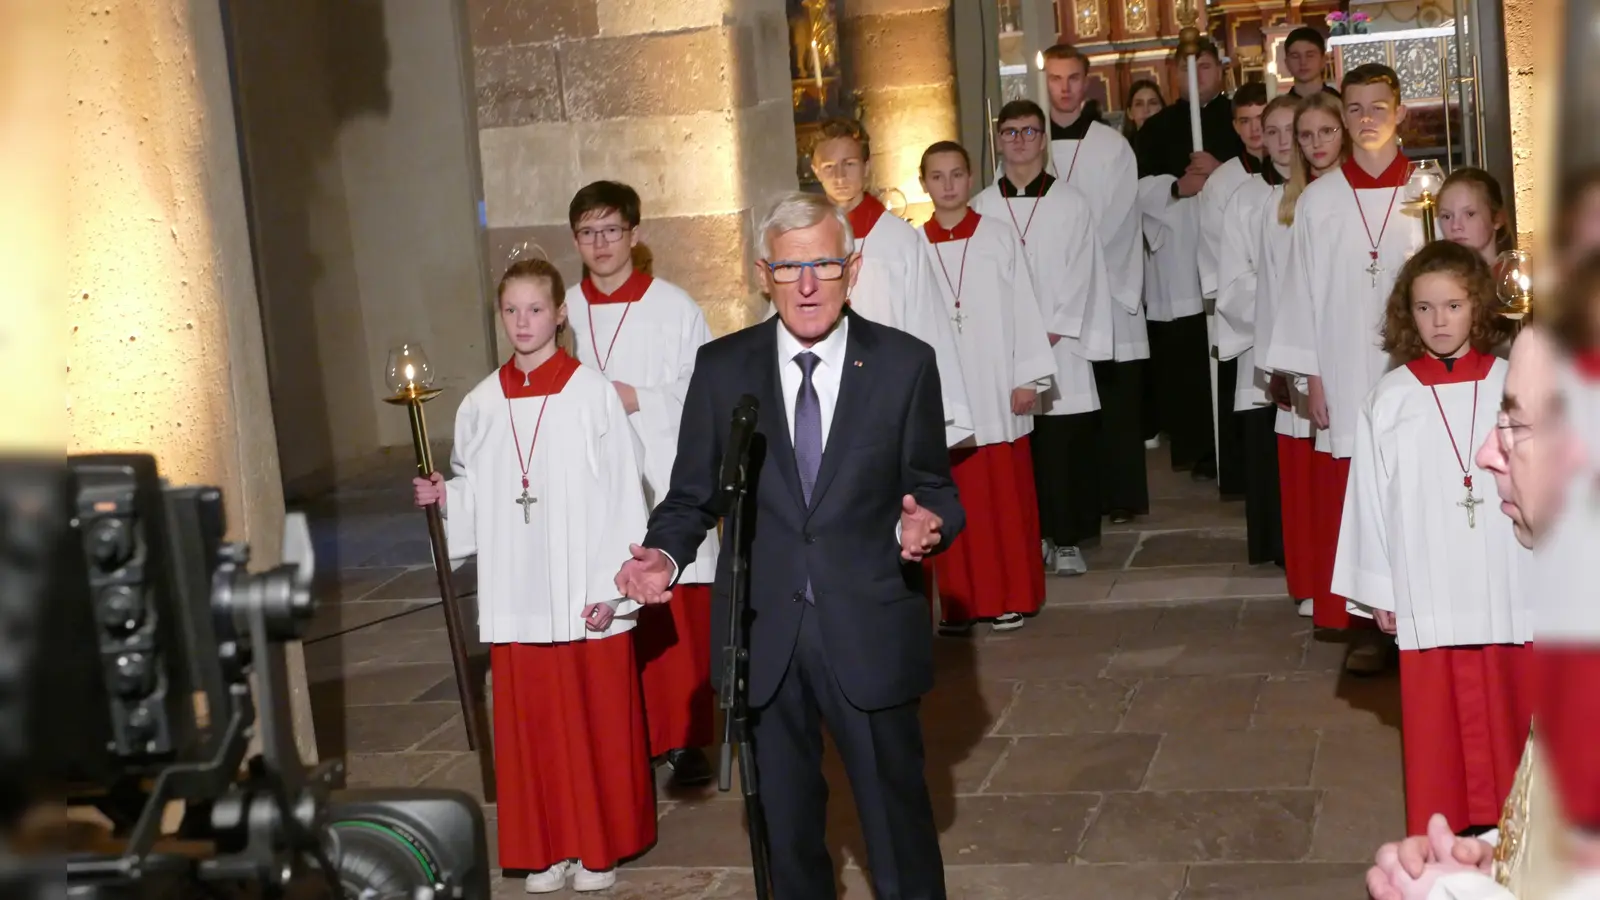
744 428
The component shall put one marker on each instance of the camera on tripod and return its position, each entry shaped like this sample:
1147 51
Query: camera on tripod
143 660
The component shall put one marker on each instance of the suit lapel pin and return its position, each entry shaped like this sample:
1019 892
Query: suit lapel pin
858 363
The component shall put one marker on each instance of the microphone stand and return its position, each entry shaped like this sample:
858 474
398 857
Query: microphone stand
735 699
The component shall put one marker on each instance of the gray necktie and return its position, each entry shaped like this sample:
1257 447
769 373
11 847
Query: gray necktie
807 426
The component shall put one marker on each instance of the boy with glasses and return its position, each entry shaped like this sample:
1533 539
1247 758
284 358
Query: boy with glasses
1055 226
642 333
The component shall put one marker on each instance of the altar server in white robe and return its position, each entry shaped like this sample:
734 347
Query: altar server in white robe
1097 160
1349 240
896 286
1416 552
992 571
1310 526
1055 225
546 492
1172 172
642 333
1249 104
1241 316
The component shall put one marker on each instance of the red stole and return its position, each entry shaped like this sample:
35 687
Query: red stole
1468 367
938 234
631 291
549 378
865 215
1588 365
1394 176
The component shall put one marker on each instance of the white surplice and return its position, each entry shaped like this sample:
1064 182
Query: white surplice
1069 273
1331 307
653 350
897 287
535 576
1213 201
1103 168
1172 231
1407 545
1001 334
1272 264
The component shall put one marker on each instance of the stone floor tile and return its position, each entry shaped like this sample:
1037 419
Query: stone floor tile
392 769
421 583
1322 654
964 707
1051 882
1202 826
738 884
1185 619
388 727
1352 823
1175 583
463 773
450 736
1072 590
1106 624
1113 551
406 552
1188 548
1067 707
1175 704
334 585
1171 513
1208 653
336 618
1025 658
1356 759
635 882
1276 881
955 769
1077 762
366 647
395 683
1033 828
700 835
1257 582
1232 760
1329 700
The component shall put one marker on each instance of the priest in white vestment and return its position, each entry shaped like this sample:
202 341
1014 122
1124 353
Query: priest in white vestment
1350 238
896 286
546 492
642 333
1094 158
991 572
1417 553
1055 225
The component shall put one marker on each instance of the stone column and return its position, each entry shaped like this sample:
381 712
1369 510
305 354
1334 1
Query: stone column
1532 112
688 101
165 351
898 54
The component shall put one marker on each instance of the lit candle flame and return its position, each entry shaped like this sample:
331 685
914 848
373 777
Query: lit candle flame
411 374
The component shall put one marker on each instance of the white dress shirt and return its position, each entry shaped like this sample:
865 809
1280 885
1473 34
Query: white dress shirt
825 377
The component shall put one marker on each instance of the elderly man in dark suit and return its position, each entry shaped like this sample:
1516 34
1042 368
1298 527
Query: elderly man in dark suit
852 489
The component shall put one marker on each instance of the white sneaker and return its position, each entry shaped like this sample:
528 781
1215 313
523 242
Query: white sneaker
1049 549
1154 443
1307 606
547 882
584 881
1008 622
1070 562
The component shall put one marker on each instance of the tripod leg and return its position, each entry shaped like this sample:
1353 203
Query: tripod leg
760 864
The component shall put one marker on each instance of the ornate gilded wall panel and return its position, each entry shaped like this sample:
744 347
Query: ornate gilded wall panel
1136 18
1089 20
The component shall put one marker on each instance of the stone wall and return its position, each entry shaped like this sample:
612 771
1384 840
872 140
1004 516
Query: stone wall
688 101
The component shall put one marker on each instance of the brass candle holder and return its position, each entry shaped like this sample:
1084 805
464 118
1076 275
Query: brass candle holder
410 377
1422 195
1514 284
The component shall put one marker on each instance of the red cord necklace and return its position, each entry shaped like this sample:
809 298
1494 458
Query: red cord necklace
1022 230
1373 268
1470 504
602 363
526 501
955 287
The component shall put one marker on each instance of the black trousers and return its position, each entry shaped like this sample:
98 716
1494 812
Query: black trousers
1066 453
1181 369
883 755
1123 484
1230 433
1262 506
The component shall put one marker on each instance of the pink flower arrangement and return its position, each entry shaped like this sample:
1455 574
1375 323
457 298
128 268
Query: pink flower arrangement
1359 17
1335 17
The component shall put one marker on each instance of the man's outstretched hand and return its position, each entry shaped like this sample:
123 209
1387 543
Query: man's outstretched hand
919 530
1408 869
647 577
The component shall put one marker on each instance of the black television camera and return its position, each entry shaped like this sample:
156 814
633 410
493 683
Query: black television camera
138 661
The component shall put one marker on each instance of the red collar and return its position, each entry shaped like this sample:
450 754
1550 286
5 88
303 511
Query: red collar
1588 365
865 215
1470 366
631 290
1393 177
551 376
938 234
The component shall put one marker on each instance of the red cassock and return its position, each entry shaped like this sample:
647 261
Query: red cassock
993 566
1296 460
1567 704
1329 477
673 644
569 743
1465 714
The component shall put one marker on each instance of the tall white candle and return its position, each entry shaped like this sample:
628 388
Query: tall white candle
1044 87
816 66
1194 107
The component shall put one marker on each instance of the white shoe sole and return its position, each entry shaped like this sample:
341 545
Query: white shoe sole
546 882
585 881
1306 608
1009 622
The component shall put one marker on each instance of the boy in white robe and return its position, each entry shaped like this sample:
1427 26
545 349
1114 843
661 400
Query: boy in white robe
991 572
1095 158
1055 226
1349 240
642 333
546 492
1417 553
896 286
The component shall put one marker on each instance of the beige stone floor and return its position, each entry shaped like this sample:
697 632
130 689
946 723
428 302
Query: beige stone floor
1165 728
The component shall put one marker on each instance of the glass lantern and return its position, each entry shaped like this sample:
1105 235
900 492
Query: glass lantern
1422 193
409 372
1514 283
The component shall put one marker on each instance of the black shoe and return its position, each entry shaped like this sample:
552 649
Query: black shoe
1121 516
690 768
1204 470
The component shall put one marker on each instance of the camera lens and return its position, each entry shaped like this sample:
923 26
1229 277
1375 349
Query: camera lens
121 609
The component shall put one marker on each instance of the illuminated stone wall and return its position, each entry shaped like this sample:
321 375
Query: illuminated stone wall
686 100
1531 110
898 53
